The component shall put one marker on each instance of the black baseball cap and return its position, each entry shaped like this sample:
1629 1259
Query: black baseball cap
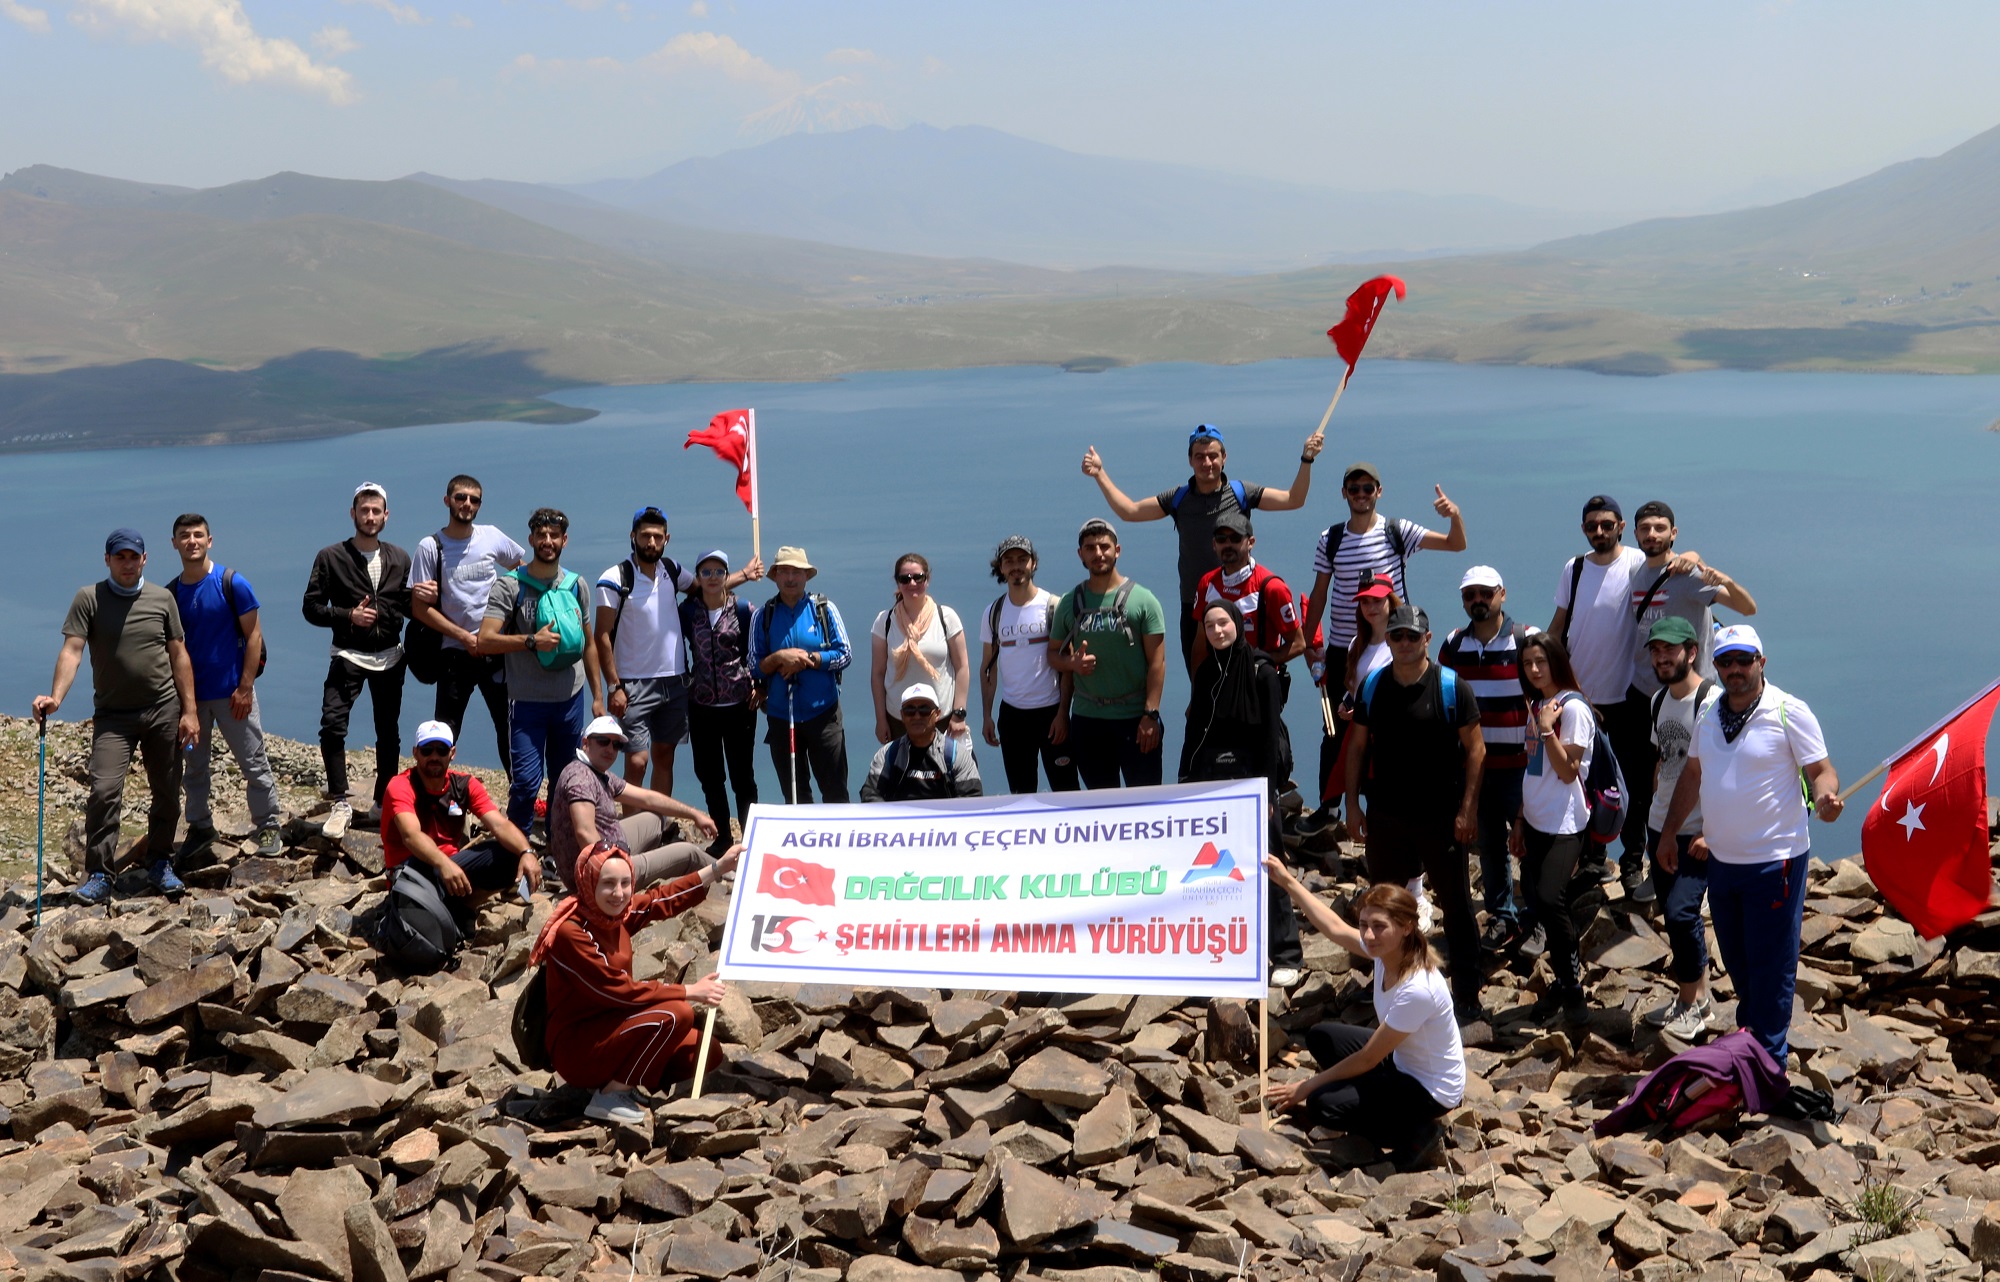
1408 618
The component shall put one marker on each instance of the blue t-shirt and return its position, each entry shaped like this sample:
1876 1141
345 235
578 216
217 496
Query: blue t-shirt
214 638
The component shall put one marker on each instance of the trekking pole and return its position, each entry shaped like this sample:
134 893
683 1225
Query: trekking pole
792 728
41 803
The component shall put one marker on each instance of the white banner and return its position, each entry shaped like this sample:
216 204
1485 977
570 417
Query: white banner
1138 890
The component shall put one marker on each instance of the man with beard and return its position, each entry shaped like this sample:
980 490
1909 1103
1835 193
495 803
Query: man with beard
590 804
637 635
1270 610
451 575
1110 635
1684 697
1744 770
424 810
1033 718
1484 653
360 589
545 675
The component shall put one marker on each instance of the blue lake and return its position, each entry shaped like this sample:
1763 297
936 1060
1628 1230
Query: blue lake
1857 508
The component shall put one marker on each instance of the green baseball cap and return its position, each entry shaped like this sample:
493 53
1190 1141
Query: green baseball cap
1673 630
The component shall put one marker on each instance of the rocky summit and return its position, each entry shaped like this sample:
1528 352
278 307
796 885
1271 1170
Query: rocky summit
235 1087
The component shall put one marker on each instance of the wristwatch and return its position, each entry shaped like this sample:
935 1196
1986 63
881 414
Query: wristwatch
958 714
1154 713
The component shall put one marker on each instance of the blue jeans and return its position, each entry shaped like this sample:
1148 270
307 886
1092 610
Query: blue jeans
1499 803
542 738
1681 893
1757 910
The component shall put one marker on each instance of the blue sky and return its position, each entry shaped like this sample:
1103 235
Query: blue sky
1596 106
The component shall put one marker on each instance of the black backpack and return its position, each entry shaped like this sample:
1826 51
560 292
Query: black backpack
235 615
1338 530
896 765
530 1024
418 929
423 645
626 578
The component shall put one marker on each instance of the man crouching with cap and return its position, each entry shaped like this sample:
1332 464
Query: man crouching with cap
588 800
144 701
424 810
920 764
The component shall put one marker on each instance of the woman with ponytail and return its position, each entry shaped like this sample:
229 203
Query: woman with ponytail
1236 730
608 1031
1390 1085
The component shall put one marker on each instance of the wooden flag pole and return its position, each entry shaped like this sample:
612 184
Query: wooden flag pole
1862 782
1264 1057
1327 417
701 1060
1326 709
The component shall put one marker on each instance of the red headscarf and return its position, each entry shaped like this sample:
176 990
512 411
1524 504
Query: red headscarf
583 899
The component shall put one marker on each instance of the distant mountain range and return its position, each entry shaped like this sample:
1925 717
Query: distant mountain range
135 313
970 192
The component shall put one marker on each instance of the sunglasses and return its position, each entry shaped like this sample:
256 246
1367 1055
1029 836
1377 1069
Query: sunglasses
911 578
1406 636
1593 527
1476 594
1362 488
924 711
1227 536
602 740
434 750
1735 659
473 499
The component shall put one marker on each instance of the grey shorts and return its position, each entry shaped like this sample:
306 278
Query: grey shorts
656 711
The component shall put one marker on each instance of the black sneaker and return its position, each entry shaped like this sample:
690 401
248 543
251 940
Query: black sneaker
197 840
1467 1011
1501 934
1421 1151
1313 822
1568 1003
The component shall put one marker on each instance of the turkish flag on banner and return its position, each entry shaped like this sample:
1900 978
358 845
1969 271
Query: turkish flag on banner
1363 306
1925 841
795 879
732 434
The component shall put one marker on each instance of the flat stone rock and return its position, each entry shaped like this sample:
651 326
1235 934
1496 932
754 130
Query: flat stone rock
321 999
1201 1131
708 1255
1270 1152
177 992
111 986
953 1246
1054 1076
887 1268
325 1097
371 1252
1598 1210
1107 1131
1035 1207
315 1205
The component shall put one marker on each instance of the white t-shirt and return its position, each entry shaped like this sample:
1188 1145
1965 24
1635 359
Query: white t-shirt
470 566
1372 657
649 632
1753 810
1359 552
1547 803
936 647
1419 1006
1673 731
1026 679
1601 631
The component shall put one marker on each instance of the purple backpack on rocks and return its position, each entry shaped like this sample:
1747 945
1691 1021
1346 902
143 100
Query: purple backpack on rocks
1739 1072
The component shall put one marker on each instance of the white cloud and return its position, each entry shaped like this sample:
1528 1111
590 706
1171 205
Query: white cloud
35 20
855 58
698 9
707 51
334 41
228 44
404 15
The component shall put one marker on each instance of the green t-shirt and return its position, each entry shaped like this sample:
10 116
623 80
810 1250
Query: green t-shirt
1118 688
130 668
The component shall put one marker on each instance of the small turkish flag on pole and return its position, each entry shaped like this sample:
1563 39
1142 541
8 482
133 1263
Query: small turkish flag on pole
1364 307
1925 841
732 434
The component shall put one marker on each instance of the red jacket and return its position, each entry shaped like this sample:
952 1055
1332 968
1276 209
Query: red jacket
590 970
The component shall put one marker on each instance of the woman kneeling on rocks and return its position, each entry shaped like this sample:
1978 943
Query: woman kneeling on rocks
609 1031
1393 1084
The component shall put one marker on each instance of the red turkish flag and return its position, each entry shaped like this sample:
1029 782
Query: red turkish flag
1924 842
1363 306
732 434
795 879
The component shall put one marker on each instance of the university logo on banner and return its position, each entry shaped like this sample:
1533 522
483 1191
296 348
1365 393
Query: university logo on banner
795 879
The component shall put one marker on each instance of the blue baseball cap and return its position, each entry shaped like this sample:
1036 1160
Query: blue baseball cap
125 539
1204 432
648 513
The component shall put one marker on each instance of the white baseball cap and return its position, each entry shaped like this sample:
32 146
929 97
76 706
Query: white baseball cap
371 487
434 732
920 691
605 727
1481 576
1738 636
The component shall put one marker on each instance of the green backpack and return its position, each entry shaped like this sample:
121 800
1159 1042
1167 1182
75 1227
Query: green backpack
556 607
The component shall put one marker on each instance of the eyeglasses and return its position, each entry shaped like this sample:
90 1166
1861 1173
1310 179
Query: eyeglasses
1595 527
473 499
1735 659
433 750
1227 536
1361 489
911 578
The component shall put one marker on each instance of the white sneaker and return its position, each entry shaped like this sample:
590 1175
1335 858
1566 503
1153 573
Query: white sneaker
1692 1021
337 820
1285 977
615 1106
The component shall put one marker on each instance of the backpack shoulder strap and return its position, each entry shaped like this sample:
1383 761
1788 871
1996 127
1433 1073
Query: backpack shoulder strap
1368 684
1242 497
1660 701
993 630
1645 603
1118 601
897 763
1174 504
1448 685
1575 580
1075 613
950 751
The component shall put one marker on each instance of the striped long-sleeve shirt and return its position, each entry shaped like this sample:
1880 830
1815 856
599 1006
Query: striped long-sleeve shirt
1493 670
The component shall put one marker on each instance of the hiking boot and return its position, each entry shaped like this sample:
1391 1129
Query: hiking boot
1638 887
270 843
615 1106
338 820
1607 871
164 879
1421 1151
1286 977
1313 822
96 889
1501 933
1467 1011
370 818
199 838
1689 1020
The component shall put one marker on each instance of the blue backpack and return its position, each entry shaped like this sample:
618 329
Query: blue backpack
1242 498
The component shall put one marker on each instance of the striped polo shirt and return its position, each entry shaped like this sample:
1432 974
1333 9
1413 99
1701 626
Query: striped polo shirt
1493 669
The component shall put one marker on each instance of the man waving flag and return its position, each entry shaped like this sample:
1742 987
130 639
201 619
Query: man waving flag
1925 839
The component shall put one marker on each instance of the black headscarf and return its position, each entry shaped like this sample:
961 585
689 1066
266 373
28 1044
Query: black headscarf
1225 687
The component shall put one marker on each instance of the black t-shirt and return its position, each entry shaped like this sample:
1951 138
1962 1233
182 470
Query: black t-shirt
1416 764
1195 520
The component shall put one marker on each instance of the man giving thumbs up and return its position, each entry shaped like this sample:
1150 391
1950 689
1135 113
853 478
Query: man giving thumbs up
1109 633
